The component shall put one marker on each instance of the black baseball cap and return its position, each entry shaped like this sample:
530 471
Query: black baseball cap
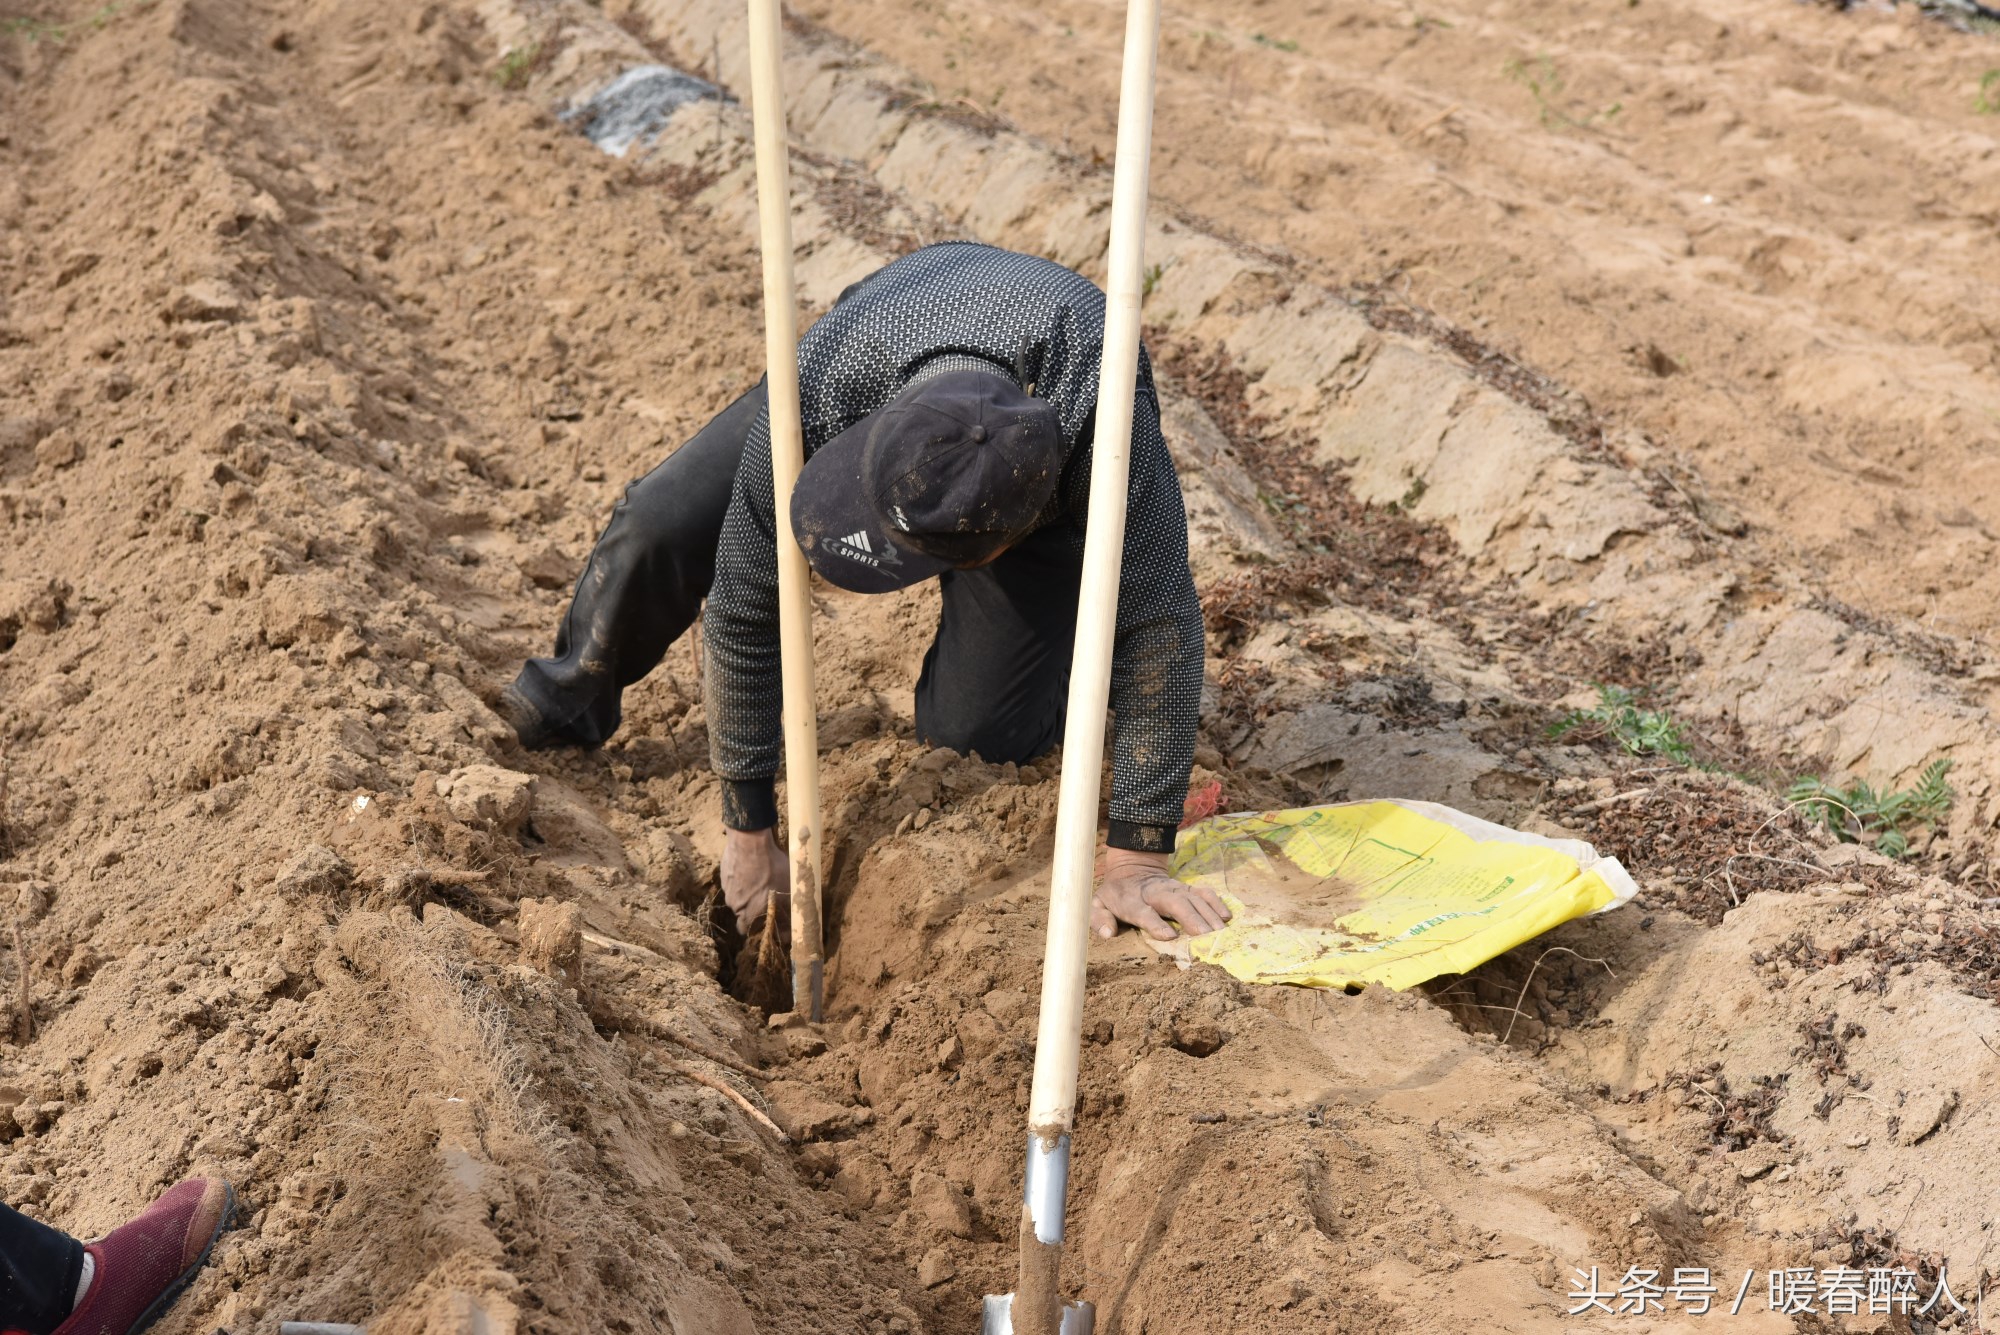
949 473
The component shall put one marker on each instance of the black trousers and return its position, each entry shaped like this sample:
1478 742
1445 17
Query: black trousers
995 681
39 1267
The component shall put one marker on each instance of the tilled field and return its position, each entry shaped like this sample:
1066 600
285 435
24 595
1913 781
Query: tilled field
1759 233
326 344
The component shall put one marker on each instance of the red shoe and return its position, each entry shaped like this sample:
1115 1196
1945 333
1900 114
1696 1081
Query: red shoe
143 1265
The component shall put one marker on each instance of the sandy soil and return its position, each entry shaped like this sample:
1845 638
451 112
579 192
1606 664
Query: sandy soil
325 346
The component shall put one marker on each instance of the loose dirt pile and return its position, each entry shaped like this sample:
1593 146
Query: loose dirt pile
325 346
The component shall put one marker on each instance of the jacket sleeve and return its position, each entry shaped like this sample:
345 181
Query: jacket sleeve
743 682
1156 661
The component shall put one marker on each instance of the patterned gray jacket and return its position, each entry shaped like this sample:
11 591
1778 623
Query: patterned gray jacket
948 306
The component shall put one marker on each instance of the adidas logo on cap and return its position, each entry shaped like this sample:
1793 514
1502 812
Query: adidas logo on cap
856 547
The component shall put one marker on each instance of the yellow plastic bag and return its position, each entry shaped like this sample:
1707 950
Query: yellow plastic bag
1383 892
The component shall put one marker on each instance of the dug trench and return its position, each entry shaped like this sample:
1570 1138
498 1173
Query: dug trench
319 375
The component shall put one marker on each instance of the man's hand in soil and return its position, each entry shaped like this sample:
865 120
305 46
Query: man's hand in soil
755 875
1136 889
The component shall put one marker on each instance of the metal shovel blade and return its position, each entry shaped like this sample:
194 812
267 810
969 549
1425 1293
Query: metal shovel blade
1044 1195
996 1316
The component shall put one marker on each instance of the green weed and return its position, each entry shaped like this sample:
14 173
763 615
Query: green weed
35 30
1286 44
1862 814
517 65
1988 101
1540 77
1154 272
1640 732
1546 84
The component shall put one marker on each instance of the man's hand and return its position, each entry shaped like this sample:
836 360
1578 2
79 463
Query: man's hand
1137 889
755 875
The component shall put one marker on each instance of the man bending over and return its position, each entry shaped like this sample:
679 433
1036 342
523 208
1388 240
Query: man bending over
947 402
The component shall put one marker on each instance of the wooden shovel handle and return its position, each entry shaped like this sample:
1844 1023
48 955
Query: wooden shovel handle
781 341
1052 1100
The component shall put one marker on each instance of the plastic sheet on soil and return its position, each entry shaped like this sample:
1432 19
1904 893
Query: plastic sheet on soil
634 107
1383 892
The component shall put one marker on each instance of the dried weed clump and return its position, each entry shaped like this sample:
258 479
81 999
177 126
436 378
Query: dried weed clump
1698 842
443 1025
1371 556
1736 1119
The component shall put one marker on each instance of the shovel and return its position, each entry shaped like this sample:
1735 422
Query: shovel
1036 1307
781 384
